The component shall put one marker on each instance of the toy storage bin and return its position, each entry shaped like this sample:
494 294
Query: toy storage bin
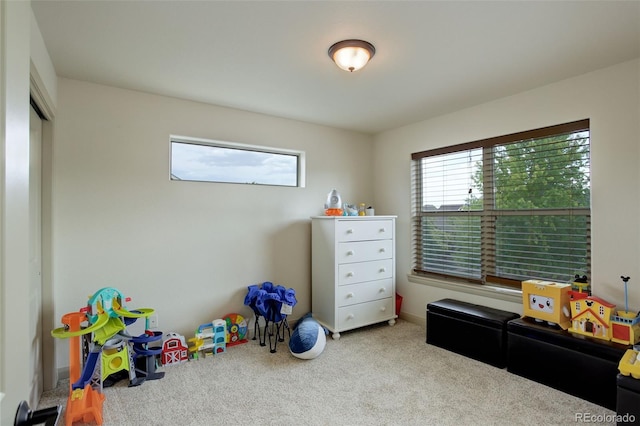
476 331
578 365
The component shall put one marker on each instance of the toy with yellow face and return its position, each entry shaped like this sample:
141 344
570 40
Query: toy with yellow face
547 301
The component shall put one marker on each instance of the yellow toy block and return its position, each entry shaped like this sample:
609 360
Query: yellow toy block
547 301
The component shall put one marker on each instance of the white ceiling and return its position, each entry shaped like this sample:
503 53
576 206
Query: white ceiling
270 57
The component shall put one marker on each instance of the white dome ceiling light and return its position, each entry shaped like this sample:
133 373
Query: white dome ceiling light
351 55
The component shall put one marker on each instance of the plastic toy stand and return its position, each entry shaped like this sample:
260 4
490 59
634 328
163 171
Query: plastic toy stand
146 357
84 404
106 351
92 373
118 363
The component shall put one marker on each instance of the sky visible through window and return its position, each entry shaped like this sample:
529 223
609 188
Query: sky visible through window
199 162
448 178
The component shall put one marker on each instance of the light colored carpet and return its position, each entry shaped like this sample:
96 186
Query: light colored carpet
379 375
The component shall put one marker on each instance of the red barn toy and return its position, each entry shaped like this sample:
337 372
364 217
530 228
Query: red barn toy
174 349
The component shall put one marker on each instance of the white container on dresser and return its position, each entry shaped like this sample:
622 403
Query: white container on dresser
353 271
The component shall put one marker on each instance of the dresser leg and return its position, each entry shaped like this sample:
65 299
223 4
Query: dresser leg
392 321
335 335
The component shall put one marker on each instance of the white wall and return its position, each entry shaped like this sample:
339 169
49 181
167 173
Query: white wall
187 249
610 98
44 81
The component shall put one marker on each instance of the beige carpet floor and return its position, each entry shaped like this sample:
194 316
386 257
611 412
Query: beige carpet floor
379 375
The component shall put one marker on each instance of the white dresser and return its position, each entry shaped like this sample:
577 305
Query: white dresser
353 271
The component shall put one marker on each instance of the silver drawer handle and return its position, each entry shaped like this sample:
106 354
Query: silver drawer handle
383 269
382 250
349 231
349 274
350 316
350 253
382 290
383 230
382 309
350 295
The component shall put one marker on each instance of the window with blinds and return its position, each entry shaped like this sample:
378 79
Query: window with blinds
505 209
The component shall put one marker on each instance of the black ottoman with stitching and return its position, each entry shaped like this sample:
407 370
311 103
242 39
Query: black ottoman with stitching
628 401
476 331
575 364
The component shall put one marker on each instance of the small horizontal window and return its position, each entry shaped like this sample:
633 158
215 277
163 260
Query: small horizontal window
227 162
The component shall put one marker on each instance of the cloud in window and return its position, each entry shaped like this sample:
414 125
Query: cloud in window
199 162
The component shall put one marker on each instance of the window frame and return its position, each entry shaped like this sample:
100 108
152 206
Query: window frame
300 156
488 213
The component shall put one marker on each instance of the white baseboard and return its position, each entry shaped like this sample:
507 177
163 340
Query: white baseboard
414 319
63 373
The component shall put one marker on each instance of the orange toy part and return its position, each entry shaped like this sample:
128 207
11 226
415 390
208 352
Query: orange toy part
84 405
72 323
333 212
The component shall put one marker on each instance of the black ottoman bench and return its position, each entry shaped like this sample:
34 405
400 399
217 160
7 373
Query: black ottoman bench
476 331
628 402
578 365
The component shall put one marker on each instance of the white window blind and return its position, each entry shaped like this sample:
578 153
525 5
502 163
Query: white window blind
505 209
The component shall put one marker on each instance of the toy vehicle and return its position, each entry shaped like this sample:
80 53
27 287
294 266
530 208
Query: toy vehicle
630 364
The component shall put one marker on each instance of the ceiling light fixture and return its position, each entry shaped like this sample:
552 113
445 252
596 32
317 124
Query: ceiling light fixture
351 55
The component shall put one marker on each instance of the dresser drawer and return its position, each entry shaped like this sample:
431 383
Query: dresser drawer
360 230
354 316
351 273
362 251
364 292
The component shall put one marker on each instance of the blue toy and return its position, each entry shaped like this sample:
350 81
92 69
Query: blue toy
308 339
273 303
